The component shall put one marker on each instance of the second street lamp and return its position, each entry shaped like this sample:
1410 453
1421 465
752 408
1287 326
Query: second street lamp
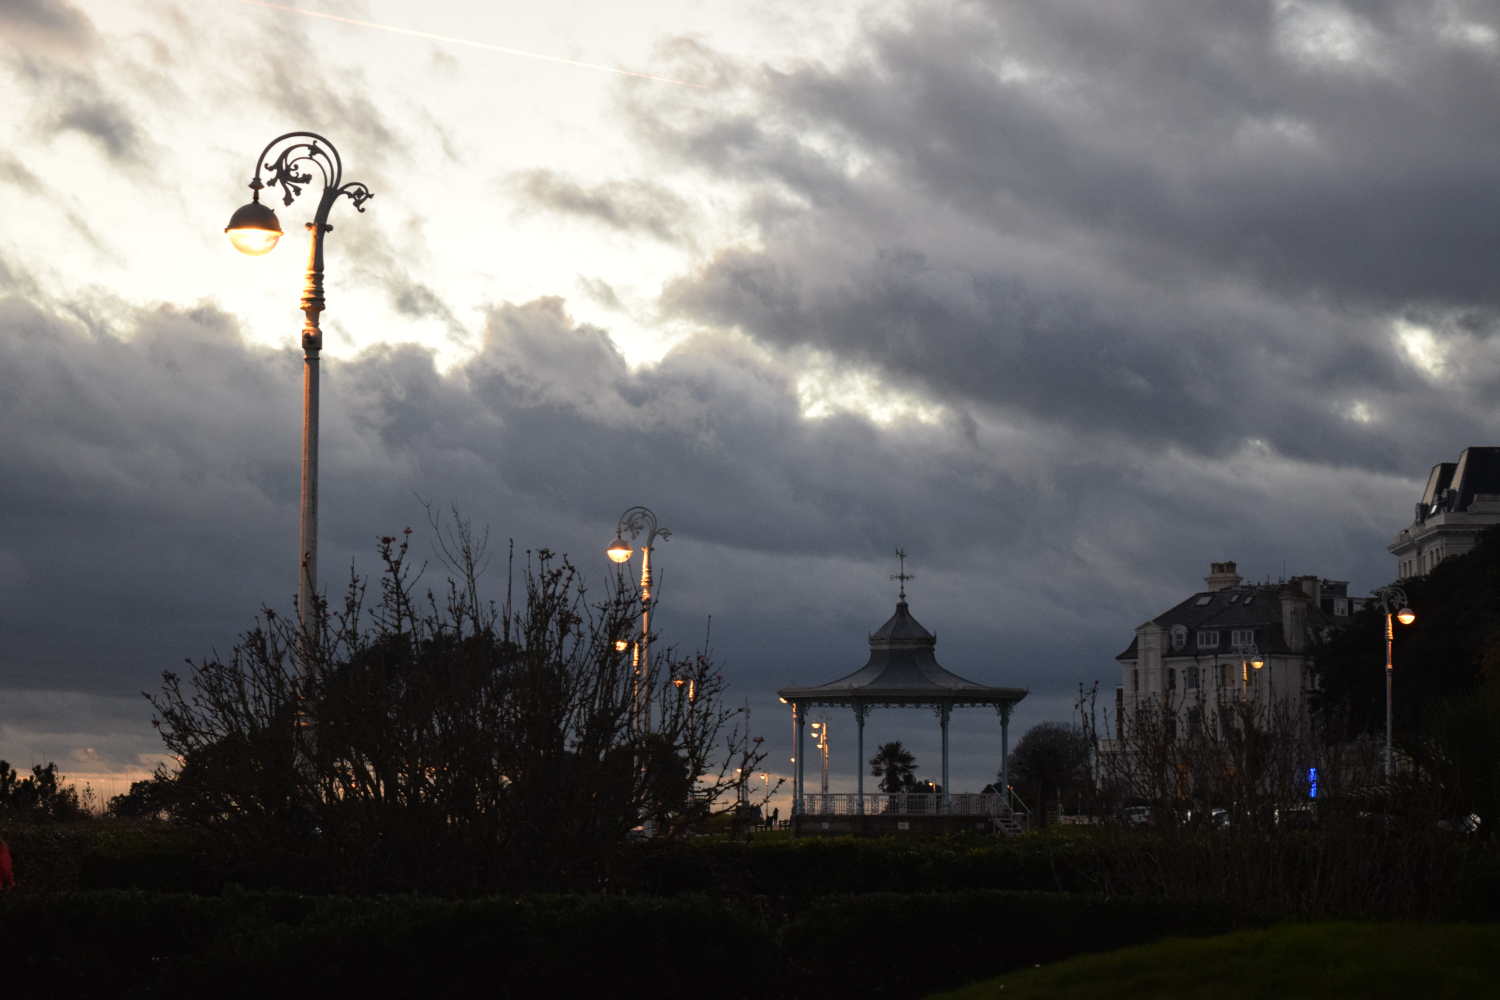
633 522
1391 597
254 230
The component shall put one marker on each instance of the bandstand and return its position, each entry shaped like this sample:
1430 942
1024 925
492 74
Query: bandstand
902 672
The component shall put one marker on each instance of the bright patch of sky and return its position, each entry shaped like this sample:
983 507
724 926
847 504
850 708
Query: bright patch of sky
1326 35
448 211
825 388
1422 348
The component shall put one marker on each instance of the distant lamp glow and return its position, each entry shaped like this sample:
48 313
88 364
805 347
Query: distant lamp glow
619 550
1257 661
254 229
620 645
1406 616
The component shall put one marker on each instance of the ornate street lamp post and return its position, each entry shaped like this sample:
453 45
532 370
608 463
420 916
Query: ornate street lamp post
254 230
1391 597
634 521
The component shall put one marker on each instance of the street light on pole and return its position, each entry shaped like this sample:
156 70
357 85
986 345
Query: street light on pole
1250 659
1391 597
634 521
254 230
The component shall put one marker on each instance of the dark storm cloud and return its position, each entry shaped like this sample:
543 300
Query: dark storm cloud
150 484
1192 225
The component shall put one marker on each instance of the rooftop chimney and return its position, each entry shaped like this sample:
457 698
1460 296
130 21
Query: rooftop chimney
1221 576
1294 601
1312 586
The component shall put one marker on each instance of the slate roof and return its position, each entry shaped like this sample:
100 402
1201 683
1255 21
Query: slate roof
1246 607
902 670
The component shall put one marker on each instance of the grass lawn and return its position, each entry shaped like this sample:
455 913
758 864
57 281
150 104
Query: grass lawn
1323 960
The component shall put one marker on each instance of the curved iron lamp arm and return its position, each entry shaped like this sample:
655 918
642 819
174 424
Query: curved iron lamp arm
292 170
639 519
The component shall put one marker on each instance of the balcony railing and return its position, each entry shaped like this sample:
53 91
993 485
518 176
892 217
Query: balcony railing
906 804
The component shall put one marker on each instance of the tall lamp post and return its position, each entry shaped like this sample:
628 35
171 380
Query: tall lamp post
633 522
254 230
1391 597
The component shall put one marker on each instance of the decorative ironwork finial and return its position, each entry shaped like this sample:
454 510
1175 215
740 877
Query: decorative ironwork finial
903 576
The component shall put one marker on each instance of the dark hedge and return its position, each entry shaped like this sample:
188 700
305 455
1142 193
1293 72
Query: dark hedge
247 944
172 861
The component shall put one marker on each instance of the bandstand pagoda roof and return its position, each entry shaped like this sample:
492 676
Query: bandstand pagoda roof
902 670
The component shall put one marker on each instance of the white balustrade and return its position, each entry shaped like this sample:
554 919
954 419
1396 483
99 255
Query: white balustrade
905 804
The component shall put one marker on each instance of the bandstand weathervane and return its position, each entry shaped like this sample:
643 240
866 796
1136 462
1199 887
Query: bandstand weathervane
902 672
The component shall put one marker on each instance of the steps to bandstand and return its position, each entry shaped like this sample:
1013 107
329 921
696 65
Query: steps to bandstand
1007 825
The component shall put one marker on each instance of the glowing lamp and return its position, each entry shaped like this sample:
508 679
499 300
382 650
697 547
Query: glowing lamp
1257 661
253 229
620 645
1406 616
619 549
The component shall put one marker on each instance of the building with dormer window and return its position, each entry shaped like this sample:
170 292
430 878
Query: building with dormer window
1461 500
1195 656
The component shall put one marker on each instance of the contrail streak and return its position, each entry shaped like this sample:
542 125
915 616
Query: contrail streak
477 45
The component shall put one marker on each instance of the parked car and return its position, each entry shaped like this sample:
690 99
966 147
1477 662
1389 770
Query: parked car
1138 815
1297 817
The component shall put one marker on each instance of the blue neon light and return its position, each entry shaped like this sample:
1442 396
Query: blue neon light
1312 781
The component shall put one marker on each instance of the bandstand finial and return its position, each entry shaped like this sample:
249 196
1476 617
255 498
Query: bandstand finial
903 576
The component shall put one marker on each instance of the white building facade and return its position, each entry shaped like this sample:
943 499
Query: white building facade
1199 655
1461 500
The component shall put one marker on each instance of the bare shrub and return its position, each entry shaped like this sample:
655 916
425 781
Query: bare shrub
1227 809
444 742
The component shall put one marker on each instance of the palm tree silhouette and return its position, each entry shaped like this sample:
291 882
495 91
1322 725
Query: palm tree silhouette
894 765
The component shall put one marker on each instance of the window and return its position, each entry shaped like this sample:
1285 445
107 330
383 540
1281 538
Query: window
1172 728
1192 678
1243 637
1208 640
1233 598
1248 601
1135 680
1224 678
1205 599
1341 607
1179 636
1171 679
1195 722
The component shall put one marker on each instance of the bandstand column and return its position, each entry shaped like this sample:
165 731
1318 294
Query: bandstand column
1005 708
859 760
799 713
943 711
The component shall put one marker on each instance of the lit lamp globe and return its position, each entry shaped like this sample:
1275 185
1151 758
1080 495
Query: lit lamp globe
1257 661
254 229
1406 616
619 550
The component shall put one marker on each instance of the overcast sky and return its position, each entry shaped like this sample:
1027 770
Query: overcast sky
1068 299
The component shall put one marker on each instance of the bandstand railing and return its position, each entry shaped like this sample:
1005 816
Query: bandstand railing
906 804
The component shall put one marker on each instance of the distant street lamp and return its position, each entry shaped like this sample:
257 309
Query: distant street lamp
254 230
1391 597
822 745
634 521
1250 659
